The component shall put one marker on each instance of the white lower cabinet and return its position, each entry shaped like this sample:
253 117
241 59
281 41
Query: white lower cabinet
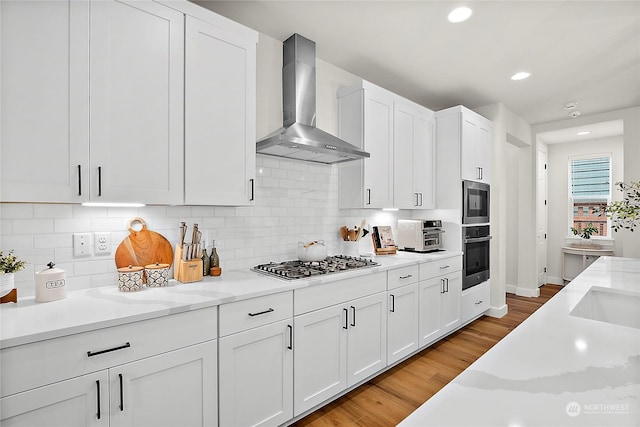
256 376
174 388
439 307
402 319
80 401
475 301
337 347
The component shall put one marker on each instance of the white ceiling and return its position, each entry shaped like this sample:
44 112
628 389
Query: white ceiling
583 51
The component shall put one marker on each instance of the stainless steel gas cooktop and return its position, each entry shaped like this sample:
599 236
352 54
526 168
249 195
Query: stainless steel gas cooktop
297 269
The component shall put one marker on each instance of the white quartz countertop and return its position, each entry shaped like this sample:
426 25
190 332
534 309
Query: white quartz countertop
95 308
554 369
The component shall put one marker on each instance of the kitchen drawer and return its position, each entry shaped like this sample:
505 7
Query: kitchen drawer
254 312
326 294
475 301
437 268
36 364
402 276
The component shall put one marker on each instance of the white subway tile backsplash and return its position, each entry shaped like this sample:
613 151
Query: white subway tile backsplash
295 202
16 210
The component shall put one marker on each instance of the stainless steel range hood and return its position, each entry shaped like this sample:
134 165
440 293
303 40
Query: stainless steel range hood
299 138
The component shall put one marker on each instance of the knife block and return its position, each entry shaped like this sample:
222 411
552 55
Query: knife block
186 271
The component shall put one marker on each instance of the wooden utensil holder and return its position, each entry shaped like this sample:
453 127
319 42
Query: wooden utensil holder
186 271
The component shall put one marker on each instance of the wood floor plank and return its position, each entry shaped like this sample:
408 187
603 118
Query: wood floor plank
390 397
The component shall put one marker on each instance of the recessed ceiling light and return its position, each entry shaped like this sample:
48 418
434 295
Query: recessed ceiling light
520 76
584 132
459 14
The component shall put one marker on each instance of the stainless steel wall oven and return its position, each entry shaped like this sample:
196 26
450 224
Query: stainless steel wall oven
475 260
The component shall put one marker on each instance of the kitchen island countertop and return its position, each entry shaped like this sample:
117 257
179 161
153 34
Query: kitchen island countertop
94 308
554 369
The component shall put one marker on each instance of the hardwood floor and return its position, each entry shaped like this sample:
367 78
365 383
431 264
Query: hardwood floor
390 397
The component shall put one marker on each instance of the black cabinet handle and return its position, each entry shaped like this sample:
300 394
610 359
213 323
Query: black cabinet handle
80 184
98 388
99 181
354 316
346 318
479 302
252 189
95 353
393 303
408 276
442 286
447 282
121 394
290 346
261 312
368 196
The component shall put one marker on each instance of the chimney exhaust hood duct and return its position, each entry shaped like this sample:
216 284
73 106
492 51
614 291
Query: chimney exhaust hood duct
299 138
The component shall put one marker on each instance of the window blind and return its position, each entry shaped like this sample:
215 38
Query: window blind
590 178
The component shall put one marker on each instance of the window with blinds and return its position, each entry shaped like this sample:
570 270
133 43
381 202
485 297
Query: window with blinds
589 192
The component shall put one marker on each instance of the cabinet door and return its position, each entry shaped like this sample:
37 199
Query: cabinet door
414 157
177 388
320 356
378 137
220 75
402 318
451 302
367 349
429 316
137 78
44 150
475 149
483 151
424 158
256 376
79 402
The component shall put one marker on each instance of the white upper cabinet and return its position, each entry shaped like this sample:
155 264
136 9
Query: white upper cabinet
137 79
220 91
399 136
93 103
464 139
366 120
414 156
44 140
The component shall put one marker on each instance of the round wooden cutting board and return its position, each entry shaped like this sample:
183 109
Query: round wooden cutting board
143 247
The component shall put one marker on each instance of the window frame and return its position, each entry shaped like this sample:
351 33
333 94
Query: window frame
570 199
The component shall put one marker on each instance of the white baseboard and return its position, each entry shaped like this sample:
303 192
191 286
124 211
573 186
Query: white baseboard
498 312
555 280
523 292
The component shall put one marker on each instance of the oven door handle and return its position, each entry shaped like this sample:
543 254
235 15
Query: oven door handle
477 239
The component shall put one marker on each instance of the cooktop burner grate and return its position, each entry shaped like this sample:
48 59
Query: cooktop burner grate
297 269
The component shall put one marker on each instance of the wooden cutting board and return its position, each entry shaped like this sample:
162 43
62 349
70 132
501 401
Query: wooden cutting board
143 247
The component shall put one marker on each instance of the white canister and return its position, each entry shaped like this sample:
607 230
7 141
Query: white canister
51 284
157 274
130 278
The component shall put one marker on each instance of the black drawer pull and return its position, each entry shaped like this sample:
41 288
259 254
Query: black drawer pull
98 389
95 353
406 277
261 312
121 394
479 302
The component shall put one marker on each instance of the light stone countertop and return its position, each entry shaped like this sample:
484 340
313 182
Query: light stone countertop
95 308
554 369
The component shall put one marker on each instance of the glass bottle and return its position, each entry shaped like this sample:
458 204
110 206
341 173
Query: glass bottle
205 261
214 260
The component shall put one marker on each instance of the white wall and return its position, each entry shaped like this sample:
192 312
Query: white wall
558 226
627 243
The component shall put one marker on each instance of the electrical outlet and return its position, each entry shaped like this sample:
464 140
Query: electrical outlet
81 244
102 243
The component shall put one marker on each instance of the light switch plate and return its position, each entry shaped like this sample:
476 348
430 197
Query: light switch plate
102 243
81 244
